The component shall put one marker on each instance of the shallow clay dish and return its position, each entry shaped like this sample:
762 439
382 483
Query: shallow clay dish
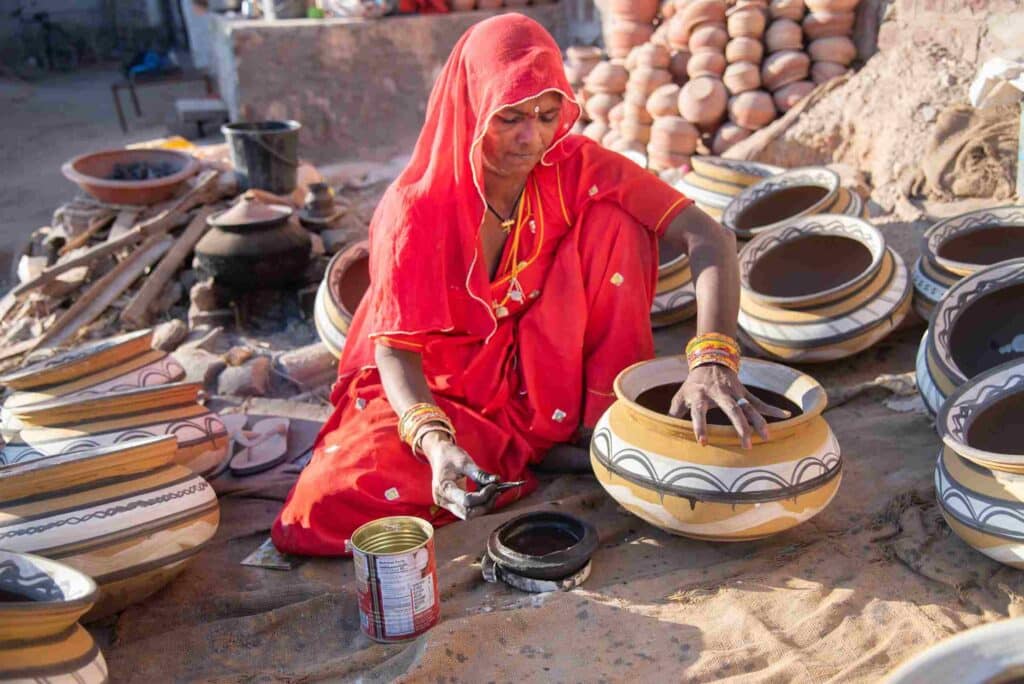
92 172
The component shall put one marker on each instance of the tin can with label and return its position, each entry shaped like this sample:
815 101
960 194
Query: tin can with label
396 578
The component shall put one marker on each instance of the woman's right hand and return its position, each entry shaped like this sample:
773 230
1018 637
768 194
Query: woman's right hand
450 464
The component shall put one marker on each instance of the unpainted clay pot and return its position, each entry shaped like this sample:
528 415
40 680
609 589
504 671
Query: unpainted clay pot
677 67
783 34
744 50
635 132
787 96
635 97
645 80
783 68
600 104
638 115
787 9
678 33
706 63
575 73
746 21
741 77
822 72
633 10
703 101
664 101
831 5
622 36
659 159
728 135
668 9
651 55
596 130
615 114
581 54
675 134
708 37
700 11
828 25
630 148
839 49
611 139
753 109
607 78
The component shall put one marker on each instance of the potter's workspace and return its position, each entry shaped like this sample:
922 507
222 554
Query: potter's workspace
513 340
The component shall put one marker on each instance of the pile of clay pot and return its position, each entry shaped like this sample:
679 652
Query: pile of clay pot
708 75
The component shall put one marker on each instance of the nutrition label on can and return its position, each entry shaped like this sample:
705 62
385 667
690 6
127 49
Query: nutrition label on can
404 592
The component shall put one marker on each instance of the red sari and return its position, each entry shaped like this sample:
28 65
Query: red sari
518 364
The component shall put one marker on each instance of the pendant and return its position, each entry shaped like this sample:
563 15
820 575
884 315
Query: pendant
507 225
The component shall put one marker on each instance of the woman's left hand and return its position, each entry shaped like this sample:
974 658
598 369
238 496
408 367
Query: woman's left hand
713 385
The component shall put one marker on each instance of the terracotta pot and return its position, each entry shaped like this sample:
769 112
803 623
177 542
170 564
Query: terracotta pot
823 72
787 96
675 134
823 6
39 622
599 105
777 201
93 174
660 37
746 21
828 25
697 12
175 410
607 78
47 506
678 33
664 101
345 283
651 55
651 464
753 109
645 80
787 9
615 114
706 63
727 136
633 150
595 130
677 67
584 54
574 74
622 36
610 139
966 243
703 101
734 172
843 321
659 160
711 37
783 68
642 11
974 328
462 5
740 77
840 49
783 34
636 115
990 653
668 9
744 50
632 131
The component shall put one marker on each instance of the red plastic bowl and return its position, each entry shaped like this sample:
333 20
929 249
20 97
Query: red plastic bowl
91 173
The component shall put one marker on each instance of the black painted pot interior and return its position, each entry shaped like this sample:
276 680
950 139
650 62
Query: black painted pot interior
814 263
543 545
779 205
999 428
986 246
660 399
986 328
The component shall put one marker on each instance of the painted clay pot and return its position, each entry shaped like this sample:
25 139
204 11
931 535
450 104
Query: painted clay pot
703 101
340 292
664 101
651 464
595 130
712 37
677 67
838 49
774 202
989 653
823 6
783 68
931 282
783 34
976 326
828 24
789 95
803 309
753 109
744 50
746 21
69 427
674 134
40 637
966 243
675 299
126 516
715 181
621 36
633 10
607 78
823 72
728 135
787 9
740 77
651 55
706 63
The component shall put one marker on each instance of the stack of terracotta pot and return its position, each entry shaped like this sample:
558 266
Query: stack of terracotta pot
580 61
628 23
750 107
703 100
828 28
604 87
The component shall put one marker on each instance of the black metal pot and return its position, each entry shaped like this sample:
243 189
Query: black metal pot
543 545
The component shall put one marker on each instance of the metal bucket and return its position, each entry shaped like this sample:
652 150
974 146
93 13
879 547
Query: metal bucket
396 578
265 154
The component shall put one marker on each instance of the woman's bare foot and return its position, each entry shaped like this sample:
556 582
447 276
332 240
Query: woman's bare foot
566 458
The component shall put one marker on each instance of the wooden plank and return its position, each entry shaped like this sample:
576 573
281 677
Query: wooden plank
95 226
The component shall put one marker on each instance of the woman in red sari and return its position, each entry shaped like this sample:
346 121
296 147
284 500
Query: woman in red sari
513 267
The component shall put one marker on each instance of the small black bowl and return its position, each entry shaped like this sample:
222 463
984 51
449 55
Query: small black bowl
543 545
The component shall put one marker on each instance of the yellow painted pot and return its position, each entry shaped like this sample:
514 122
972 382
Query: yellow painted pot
127 516
931 282
344 284
40 639
715 181
675 299
651 464
79 362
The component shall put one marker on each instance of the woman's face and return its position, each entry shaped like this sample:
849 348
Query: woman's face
518 136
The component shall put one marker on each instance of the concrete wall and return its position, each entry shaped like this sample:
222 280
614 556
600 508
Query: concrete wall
359 88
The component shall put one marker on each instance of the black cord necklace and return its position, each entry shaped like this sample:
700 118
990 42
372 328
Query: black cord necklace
506 223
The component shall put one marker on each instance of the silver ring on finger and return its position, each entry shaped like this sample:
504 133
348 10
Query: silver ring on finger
743 402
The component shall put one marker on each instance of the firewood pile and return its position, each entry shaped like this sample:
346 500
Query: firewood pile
698 76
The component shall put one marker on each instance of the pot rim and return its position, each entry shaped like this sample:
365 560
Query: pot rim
550 566
675 369
190 166
849 227
85 587
969 400
964 224
817 176
52 371
342 262
61 410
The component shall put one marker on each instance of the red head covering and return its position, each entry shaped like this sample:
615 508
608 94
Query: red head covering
424 262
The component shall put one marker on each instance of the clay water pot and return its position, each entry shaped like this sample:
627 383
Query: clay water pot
659 160
787 9
740 77
783 34
839 49
462 5
664 101
777 201
677 67
675 134
817 311
678 33
645 80
783 68
787 96
633 132
931 282
607 77
825 6
964 244
74 505
744 50
828 24
753 109
697 12
642 11
711 37
823 72
584 54
596 130
651 55
668 9
42 602
610 139
975 327
636 115
735 172
621 36
703 101
575 73
746 21
651 464
615 114
675 299
344 285
728 135
990 653
600 105
706 63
